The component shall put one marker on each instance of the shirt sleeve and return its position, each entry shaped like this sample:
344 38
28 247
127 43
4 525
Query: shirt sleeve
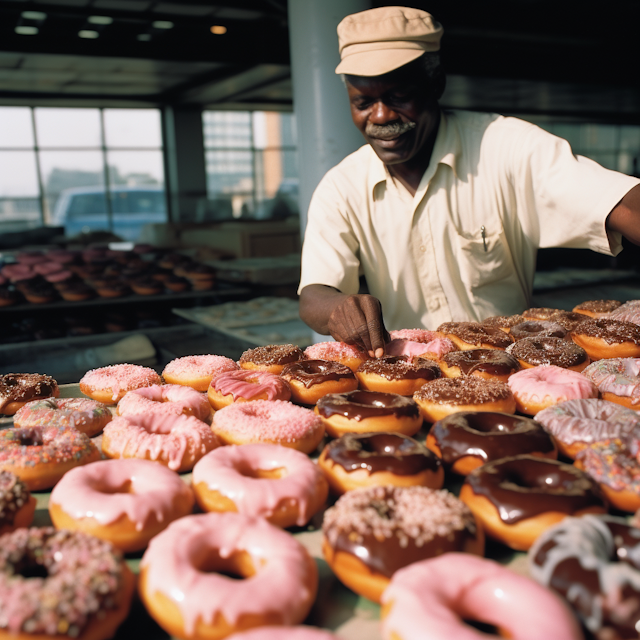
568 197
330 249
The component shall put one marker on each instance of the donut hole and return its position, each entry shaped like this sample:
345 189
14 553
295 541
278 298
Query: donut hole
30 568
29 437
490 422
484 627
245 469
125 487
237 566
548 481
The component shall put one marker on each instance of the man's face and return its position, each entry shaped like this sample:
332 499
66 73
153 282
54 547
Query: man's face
396 113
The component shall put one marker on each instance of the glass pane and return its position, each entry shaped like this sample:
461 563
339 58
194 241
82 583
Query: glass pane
267 130
133 168
68 127
16 128
229 172
630 138
288 129
18 174
601 137
227 129
132 128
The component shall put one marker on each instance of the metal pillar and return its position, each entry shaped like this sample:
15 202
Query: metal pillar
325 131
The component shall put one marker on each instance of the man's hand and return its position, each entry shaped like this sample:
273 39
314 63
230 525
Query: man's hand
354 319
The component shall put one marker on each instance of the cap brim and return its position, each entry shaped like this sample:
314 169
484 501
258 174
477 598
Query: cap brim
377 63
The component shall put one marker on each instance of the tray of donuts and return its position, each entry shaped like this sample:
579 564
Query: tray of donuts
208 480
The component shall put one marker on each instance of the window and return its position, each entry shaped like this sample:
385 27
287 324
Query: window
251 163
83 169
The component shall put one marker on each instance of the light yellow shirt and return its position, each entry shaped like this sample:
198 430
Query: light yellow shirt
464 247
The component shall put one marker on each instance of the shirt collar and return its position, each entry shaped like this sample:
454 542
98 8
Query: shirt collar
445 151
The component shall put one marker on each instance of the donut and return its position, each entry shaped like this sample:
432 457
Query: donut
438 594
177 442
358 460
443 397
167 399
597 308
431 349
515 499
109 384
81 587
309 380
592 563
271 422
537 388
467 440
491 364
74 291
396 374
574 424
628 312
125 502
8 297
197 371
30 257
110 288
346 354
146 286
246 386
271 358
17 505
540 313
39 292
285 633
538 329
181 589
88 416
175 283
617 379
473 335
367 411
267 481
567 319
534 352
16 389
503 322
41 455
606 338
371 533
613 464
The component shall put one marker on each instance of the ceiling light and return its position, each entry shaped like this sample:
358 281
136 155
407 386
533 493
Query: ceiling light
26 30
33 15
162 24
99 20
218 29
144 37
87 33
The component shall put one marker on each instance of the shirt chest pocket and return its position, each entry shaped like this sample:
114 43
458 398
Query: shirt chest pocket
484 258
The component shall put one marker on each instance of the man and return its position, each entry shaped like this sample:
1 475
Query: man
442 212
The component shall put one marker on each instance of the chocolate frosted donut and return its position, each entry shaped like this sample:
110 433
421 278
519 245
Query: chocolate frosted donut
310 380
482 363
17 506
605 338
366 411
367 459
441 398
503 322
533 352
382 529
271 358
469 439
597 308
540 313
18 388
470 335
396 374
538 329
568 319
517 498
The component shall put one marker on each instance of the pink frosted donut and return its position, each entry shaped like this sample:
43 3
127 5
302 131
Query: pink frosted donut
261 480
45 268
109 384
434 349
30 257
436 594
87 416
574 424
59 276
167 399
415 335
617 379
246 385
198 602
540 387
285 633
197 371
628 312
272 422
125 502
61 256
341 352
16 272
177 442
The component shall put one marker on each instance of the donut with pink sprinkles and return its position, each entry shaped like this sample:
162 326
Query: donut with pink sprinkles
109 384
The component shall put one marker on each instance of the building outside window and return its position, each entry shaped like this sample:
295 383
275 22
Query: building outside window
83 169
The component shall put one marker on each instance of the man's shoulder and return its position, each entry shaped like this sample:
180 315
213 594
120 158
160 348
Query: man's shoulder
476 122
354 172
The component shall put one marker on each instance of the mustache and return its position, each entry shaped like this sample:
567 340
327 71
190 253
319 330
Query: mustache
388 131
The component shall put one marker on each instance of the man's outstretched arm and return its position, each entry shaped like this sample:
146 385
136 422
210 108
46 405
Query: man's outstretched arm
625 216
354 319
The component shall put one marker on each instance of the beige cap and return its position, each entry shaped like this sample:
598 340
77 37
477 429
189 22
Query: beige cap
377 41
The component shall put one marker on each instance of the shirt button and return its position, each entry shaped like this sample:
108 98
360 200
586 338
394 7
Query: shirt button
433 304
422 248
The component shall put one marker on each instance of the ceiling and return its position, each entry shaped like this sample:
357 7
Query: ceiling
573 59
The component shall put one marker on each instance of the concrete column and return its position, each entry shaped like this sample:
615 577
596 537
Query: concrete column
325 131
185 171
